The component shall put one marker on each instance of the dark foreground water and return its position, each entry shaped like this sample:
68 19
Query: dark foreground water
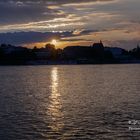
98 102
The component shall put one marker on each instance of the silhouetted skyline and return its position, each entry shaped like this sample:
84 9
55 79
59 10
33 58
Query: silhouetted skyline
49 54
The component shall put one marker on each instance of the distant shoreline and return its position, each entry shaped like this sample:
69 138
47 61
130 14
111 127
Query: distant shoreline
50 64
71 55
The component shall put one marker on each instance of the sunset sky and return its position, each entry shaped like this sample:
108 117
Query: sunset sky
70 22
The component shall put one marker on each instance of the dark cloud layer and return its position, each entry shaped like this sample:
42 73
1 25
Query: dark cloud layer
19 38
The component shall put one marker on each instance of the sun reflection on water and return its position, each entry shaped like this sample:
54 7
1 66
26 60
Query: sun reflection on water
55 107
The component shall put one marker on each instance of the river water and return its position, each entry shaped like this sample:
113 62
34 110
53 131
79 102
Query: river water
74 102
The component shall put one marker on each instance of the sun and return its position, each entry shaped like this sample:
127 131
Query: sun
54 42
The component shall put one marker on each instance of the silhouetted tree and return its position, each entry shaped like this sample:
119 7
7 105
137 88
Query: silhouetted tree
135 52
1 54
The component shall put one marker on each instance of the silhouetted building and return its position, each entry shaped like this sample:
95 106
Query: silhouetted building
98 45
98 50
76 52
116 52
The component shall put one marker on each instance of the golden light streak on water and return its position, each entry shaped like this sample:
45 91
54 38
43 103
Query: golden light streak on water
55 107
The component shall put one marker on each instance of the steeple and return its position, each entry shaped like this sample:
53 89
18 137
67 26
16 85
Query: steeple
98 45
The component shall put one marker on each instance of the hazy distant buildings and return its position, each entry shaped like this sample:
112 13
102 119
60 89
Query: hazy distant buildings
8 49
116 52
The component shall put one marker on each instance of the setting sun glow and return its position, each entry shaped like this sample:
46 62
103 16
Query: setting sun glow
54 42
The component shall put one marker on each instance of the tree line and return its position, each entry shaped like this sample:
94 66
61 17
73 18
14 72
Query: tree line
17 55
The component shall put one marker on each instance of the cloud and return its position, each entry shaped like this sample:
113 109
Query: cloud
86 37
18 38
41 18
25 11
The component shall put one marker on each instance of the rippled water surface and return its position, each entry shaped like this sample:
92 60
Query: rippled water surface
69 102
